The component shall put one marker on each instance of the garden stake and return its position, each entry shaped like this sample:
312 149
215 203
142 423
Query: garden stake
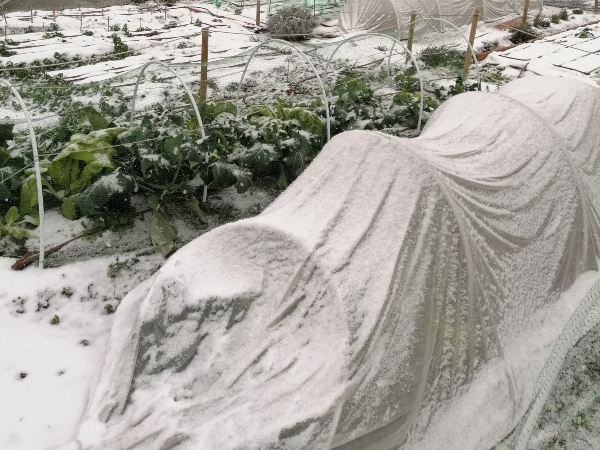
411 33
108 27
471 41
81 22
53 15
204 62
525 10
596 7
258 13
31 13
165 14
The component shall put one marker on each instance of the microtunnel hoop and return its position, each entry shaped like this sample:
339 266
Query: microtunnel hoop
428 19
188 92
36 163
281 41
396 41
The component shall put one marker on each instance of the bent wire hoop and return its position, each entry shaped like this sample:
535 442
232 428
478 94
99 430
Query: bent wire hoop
395 41
188 92
36 163
297 50
446 22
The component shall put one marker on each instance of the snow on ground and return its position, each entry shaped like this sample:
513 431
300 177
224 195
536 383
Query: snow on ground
46 370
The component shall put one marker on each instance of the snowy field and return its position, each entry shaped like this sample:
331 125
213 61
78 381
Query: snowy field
55 323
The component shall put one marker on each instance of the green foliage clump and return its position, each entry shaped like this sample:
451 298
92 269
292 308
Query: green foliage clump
292 23
540 21
115 27
171 24
459 87
564 14
120 48
443 56
88 33
523 33
555 18
4 51
489 46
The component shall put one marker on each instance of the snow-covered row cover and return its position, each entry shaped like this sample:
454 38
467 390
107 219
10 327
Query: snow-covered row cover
387 15
400 292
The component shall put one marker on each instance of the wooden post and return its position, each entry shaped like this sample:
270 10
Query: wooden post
165 14
102 5
525 11
596 7
53 15
31 13
258 13
314 9
411 33
204 67
471 41
81 23
108 26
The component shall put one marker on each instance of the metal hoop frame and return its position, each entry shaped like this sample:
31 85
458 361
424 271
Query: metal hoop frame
188 92
428 19
297 50
395 41
36 164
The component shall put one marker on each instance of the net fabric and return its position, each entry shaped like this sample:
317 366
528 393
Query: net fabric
379 15
390 296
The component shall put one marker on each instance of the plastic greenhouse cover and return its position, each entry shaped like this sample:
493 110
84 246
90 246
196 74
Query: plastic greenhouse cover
386 15
399 293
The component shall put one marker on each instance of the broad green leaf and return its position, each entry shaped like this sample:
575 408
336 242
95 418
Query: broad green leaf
29 198
161 232
223 175
295 162
99 193
194 206
173 144
16 231
32 219
282 181
6 134
259 156
11 215
9 182
96 120
4 156
244 181
68 208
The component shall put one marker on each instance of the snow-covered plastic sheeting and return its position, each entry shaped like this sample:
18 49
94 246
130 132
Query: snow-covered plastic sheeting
399 292
387 15
369 15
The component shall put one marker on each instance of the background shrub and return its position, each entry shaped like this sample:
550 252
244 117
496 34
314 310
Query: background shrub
292 23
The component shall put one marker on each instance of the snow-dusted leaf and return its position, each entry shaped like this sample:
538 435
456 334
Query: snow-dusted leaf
99 193
259 156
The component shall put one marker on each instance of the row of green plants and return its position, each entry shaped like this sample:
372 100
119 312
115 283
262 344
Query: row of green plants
92 165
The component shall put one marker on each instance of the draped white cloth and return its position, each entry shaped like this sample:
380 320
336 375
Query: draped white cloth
399 292
387 15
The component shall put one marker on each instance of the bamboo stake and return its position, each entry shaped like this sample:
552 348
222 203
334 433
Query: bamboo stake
204 67
258 13
471 41
525 11
411 33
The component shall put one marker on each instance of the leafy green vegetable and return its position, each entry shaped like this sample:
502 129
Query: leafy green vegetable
161 232
10 227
